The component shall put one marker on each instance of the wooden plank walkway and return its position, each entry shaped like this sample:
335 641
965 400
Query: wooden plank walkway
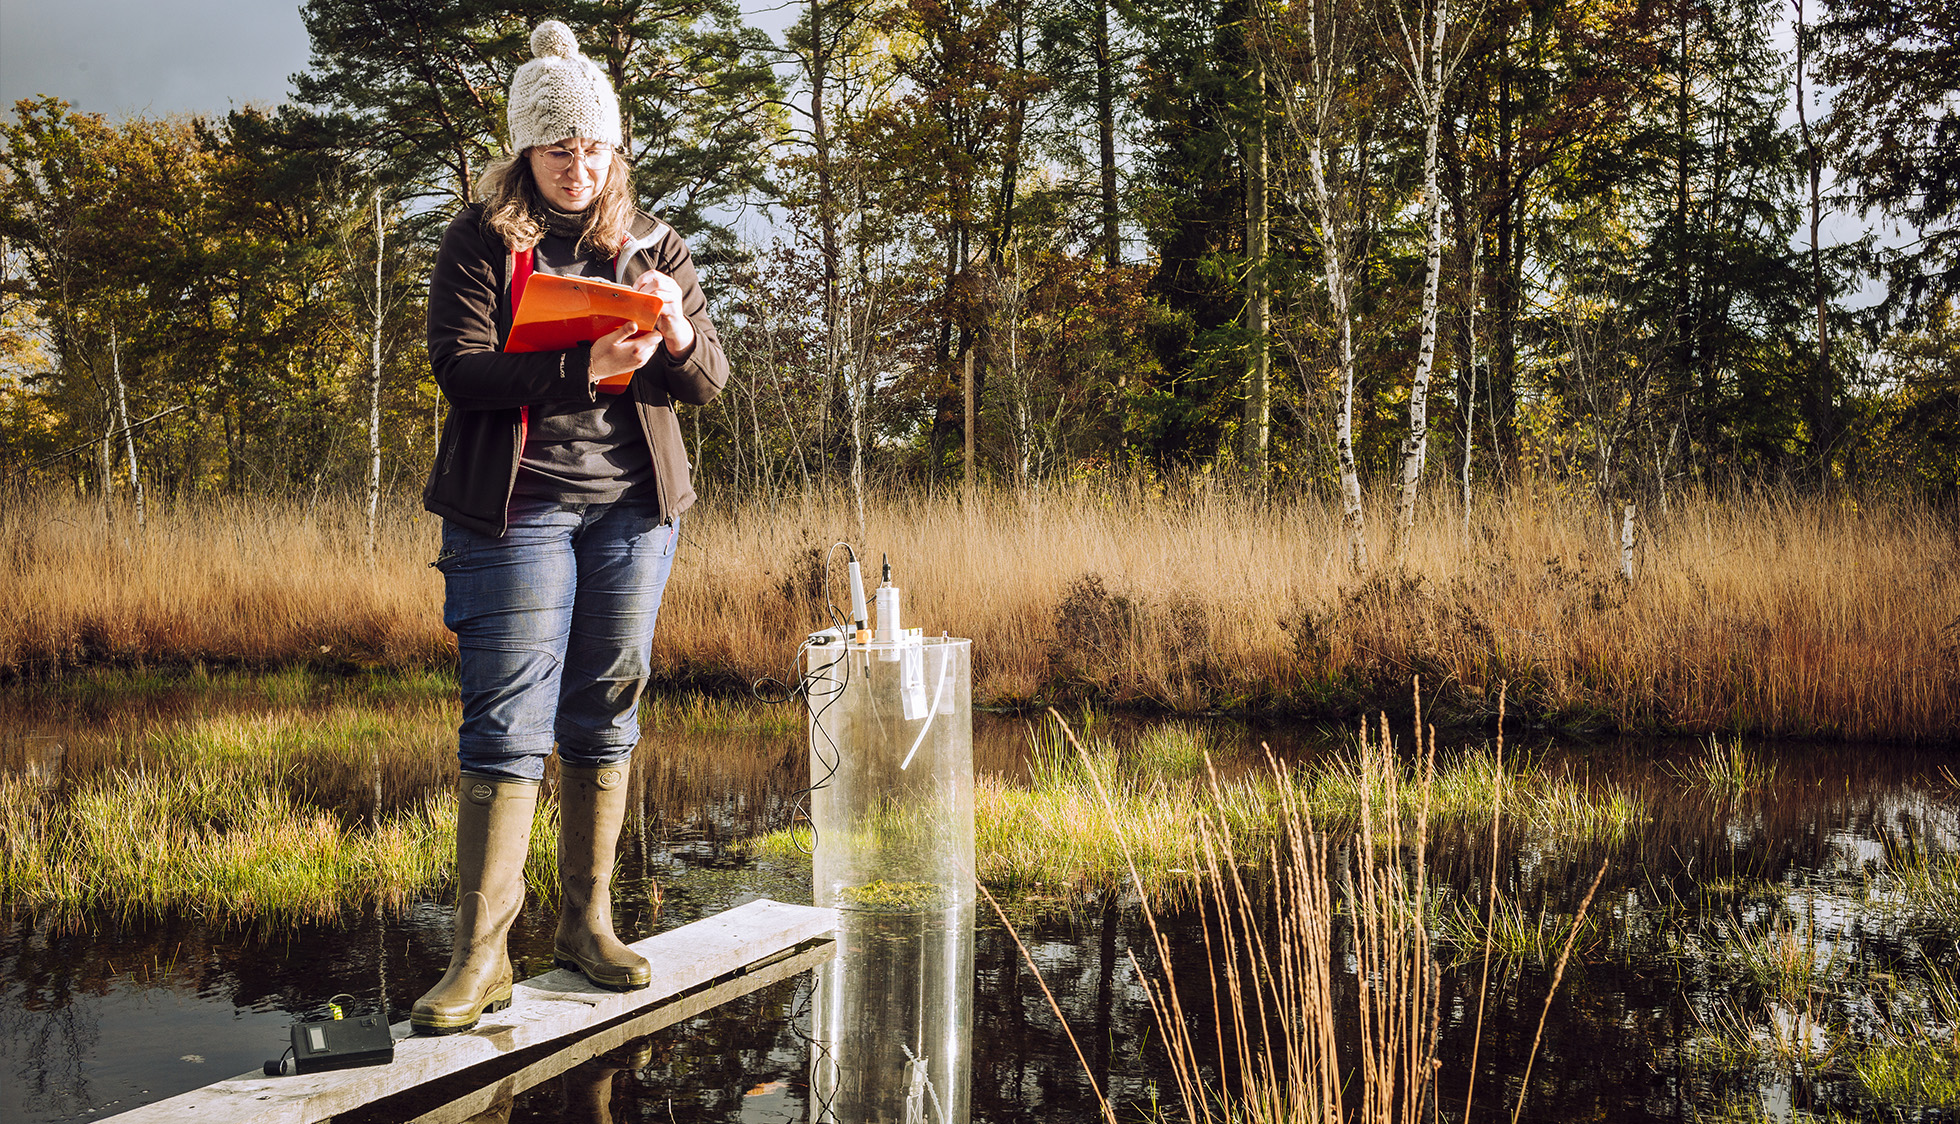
694 963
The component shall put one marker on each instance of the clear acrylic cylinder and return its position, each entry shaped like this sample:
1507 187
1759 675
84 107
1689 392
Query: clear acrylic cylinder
891 774
891 769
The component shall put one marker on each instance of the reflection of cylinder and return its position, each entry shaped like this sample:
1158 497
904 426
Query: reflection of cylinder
891 769
894 1020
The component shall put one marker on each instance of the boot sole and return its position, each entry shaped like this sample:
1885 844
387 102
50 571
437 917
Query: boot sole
433 1029
627 984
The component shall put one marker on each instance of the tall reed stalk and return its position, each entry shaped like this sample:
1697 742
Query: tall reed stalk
1273 956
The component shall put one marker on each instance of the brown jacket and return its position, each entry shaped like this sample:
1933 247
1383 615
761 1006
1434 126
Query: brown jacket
469 317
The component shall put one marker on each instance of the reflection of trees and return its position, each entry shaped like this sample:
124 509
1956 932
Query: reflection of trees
1024 1068
59 983
705 1069
1023 1065
50 1020
1696 858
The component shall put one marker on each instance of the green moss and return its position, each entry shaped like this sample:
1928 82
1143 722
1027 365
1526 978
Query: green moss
881 896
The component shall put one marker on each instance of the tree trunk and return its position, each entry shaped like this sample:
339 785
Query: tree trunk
1470 373
1334 258
946 403
374 392
1332 204
1351 511
1821 395
1429 91
967 469
1501 381
1626 545
1112 246
105 459
129 431
1258 291
1684 317
834 392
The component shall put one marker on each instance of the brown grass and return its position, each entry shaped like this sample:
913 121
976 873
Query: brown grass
1775 615
253 582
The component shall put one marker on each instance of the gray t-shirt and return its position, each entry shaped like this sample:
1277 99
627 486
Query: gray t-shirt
579 452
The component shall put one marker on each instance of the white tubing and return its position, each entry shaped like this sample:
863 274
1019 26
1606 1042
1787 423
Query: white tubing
938 691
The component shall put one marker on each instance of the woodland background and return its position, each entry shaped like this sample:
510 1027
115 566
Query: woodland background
1347 248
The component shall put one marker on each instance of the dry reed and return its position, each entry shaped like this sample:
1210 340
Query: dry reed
1771 615
1273 958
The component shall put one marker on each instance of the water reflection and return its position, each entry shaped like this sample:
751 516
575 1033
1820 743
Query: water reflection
100 1018
894 1020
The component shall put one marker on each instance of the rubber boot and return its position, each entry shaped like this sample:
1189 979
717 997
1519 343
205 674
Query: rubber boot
493 836
586 1090
497 1113
591 808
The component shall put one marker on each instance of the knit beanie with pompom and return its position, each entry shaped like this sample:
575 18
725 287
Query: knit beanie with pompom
560 93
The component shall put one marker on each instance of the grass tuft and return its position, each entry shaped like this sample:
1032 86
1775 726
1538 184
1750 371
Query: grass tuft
1729 767
1913 1076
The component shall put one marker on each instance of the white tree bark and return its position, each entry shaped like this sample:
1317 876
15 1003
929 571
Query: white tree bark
105 456
374 390
1626 545
1352 515
1428 72
1314 124
122 414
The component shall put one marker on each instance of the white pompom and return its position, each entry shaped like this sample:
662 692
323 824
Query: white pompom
554 39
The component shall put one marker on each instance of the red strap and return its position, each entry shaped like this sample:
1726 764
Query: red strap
520 274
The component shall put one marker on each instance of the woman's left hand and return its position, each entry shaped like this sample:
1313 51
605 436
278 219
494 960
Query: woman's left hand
674 326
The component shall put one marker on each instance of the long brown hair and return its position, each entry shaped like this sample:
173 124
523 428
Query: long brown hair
513 208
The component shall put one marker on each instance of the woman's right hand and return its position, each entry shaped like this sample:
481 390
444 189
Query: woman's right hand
622 350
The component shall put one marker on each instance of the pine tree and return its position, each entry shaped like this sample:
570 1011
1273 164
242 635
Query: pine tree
1894 133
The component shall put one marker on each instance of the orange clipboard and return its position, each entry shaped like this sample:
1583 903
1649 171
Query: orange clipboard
556 313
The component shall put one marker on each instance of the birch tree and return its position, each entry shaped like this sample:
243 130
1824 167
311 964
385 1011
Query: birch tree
838 60
1316 102
122 416
380 309
1428 64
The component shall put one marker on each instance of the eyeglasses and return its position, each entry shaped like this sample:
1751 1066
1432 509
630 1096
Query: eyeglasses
598 158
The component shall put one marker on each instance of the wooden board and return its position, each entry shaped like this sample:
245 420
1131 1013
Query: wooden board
485 1096
558 1006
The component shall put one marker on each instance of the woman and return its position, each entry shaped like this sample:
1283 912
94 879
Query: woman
559 498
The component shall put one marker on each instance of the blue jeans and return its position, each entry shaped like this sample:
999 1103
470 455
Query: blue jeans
554 632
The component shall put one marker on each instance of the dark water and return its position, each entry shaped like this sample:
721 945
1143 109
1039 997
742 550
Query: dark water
96 1021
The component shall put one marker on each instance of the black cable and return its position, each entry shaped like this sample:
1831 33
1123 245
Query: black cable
819 1053
796 682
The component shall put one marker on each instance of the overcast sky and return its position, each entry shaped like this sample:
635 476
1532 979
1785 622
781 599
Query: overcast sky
153 57
159 57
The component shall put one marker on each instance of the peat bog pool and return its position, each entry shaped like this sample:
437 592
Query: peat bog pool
1776 937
